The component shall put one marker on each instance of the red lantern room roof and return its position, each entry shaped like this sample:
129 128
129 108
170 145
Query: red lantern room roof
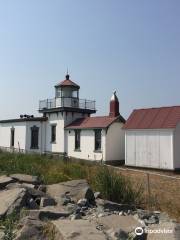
67 82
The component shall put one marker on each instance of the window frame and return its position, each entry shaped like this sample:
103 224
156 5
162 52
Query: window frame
34 143
97 140
77 142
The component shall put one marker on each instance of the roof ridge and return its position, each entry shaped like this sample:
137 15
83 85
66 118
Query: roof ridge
156 107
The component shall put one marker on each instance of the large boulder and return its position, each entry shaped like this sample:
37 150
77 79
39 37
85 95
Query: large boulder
12 200
23 178
4 181
31 229
78 230
75 189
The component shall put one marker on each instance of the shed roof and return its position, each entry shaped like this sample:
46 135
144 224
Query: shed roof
94 122
154 118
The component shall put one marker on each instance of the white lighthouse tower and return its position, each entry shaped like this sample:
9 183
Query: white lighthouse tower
61 111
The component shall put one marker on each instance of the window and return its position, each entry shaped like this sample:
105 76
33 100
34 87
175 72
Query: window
98 140
53 133
34 137
77 139
12 136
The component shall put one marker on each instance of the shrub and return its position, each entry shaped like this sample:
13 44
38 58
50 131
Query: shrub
115 187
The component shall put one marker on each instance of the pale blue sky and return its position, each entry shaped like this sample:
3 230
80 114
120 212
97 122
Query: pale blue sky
132 46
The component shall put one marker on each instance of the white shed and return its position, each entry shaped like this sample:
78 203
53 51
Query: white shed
152 138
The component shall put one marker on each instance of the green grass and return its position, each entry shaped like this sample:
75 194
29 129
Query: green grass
116 187
112 185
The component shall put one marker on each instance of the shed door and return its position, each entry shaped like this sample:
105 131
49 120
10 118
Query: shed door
130 148
166 152
141 149
153 149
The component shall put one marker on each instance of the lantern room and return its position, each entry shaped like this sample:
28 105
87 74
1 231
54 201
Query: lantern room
67 89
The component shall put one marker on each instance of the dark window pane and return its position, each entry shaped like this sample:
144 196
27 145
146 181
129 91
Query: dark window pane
98 139
12 136
53 133
34 137
77 139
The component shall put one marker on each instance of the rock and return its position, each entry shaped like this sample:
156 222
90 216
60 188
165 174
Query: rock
116 224
82 202
76 216
112 206
19 185
64 200
47 201
144 214
50 213
42 188
73 208
117 234
151 220
23 178
4 181
32 204
12 200
97 195
75 189
78 230
31 229
165 231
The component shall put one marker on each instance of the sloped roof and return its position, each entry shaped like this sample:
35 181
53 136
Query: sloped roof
94 122
154 118
67 82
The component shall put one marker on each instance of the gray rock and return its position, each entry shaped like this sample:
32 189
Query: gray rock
75 189
82 202
76 216
4 181
50 213
42 188
151 220
31 229
47 201
12 200
112 206
117 234
32 204
97 195
23 178
78 230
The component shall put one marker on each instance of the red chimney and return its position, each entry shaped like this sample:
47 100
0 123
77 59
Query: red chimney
114 106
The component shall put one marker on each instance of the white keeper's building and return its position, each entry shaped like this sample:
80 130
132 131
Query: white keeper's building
66 126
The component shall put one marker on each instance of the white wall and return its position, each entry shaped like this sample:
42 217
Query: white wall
149 148
87 145
115 142
20 135
177 147
61 120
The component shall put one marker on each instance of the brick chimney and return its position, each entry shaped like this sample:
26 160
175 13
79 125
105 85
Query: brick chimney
114 106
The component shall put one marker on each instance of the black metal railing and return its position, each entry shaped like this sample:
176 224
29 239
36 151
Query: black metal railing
67 102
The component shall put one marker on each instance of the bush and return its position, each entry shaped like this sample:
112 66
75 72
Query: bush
115 187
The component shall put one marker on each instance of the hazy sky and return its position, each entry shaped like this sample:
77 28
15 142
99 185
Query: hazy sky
132 46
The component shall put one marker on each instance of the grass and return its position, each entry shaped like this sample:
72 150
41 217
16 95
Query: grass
8 225
112 185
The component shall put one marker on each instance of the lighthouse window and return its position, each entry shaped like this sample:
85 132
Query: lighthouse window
12 136
34 137
97 139
77 139
53 133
